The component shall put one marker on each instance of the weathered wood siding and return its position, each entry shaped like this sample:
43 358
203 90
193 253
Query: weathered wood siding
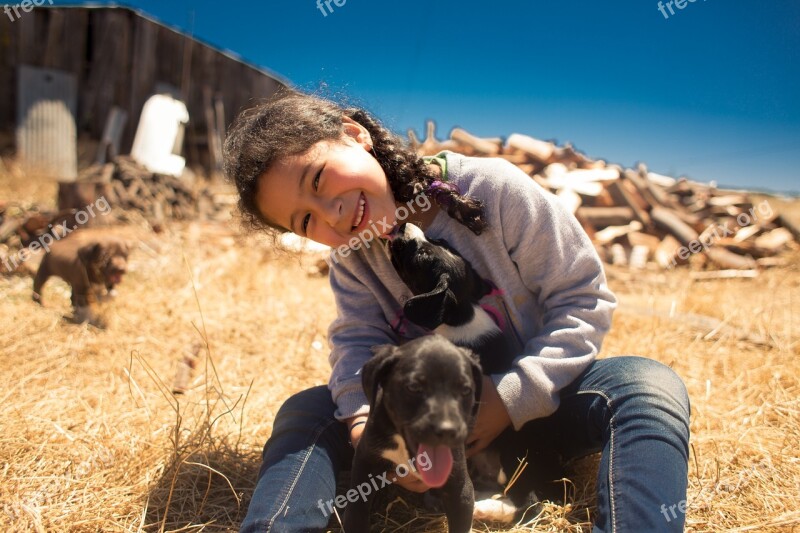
119 57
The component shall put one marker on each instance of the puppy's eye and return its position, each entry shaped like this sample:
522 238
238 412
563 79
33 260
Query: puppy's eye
467 390
414 388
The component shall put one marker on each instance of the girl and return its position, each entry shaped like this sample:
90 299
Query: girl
337 176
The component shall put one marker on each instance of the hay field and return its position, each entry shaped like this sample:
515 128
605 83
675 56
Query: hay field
91 438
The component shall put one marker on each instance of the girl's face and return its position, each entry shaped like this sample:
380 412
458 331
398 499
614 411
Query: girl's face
330 193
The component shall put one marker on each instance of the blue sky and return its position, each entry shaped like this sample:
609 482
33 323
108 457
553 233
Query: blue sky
711 91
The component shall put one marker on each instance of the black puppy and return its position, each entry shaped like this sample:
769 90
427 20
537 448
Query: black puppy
447 292
423 400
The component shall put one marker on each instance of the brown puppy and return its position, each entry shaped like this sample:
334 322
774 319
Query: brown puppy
92 264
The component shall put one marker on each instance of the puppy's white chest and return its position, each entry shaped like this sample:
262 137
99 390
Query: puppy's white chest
399 455
481 325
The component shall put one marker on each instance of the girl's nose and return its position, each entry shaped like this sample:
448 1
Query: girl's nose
331 211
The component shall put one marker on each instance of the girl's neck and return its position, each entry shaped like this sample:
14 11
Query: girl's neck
423 219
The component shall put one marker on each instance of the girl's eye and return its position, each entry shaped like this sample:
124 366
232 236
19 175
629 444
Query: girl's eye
316 180
305 223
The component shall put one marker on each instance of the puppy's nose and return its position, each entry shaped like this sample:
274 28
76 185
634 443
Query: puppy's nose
446 430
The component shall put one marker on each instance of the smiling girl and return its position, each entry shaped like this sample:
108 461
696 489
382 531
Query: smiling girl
307 165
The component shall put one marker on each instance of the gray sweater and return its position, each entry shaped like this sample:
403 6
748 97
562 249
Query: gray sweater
551 295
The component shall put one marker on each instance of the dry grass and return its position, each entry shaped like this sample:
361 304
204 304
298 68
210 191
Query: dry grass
93 440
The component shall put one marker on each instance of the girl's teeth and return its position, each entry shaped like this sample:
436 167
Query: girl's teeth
361 203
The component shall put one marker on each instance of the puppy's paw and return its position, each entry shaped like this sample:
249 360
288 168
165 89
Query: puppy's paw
107 296
494 510
84 314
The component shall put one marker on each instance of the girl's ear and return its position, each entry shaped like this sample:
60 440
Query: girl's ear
357 132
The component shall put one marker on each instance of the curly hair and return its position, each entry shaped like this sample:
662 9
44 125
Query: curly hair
290 123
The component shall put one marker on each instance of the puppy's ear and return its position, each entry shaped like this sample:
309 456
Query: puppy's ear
376 370
428 310
89 253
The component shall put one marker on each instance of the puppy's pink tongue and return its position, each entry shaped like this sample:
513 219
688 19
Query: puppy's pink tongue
436 464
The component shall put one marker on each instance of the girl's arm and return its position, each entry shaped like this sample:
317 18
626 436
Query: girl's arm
558 263
359 326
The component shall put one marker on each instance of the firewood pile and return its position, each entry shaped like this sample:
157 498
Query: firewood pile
637 218
128 185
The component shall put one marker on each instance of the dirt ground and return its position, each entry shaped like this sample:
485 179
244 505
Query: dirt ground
92 438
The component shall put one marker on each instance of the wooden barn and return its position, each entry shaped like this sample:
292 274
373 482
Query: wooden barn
100 65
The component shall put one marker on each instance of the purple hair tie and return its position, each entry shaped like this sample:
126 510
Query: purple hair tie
441 191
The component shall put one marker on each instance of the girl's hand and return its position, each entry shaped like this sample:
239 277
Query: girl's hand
409 482
492 419
356 426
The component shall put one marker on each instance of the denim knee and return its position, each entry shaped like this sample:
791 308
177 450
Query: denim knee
305 409
301 461
662 382
652 388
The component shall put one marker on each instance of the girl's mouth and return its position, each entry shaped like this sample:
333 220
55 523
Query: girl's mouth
361 212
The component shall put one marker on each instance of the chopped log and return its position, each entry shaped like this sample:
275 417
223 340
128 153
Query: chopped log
726 259
639 256
610 233
430 146
767 262
569 154
541 151
482 146
746 232
606 216
667 252
637 238
517 158
724 274
743 248
644 188
784 222
774 240
619 256
571 200
631 199
669 221
689 238
730 199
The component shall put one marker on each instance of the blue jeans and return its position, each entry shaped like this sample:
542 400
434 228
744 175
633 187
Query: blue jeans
632 409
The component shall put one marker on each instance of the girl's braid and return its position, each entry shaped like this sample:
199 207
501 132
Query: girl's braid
411 176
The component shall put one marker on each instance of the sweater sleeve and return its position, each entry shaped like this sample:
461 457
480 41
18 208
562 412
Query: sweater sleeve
559 265
351 336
